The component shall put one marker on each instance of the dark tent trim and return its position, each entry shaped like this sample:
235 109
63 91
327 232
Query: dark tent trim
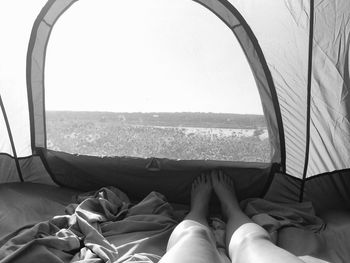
308 114
31 44
19 158
325 191
86 173
269 79
48 169
11 140
43 73
265 67
275 168
347 170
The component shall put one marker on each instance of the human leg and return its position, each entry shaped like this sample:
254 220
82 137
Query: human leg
192 241
246 241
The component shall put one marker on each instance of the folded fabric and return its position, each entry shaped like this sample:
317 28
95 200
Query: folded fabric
273 216
101 227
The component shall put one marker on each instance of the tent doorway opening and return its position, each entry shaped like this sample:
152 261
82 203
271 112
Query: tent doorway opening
156 78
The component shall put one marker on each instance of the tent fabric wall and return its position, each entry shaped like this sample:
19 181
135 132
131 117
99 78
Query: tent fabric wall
330 119
5 142
8 169
279 42
14 43
285 45
15 143
30 168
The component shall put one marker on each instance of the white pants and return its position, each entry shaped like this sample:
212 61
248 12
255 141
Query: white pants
193 242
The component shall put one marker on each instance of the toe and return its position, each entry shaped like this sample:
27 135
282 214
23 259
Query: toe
212 177
195 183
201 178
224 177
211 173
216 178
207 179
220 176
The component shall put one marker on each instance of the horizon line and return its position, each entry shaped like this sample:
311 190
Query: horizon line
155 112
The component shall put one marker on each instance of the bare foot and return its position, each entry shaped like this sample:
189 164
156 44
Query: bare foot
200 195
225 190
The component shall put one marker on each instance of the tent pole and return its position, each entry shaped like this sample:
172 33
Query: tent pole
11 140
308 113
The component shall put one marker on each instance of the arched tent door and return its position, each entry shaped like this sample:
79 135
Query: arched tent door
222 9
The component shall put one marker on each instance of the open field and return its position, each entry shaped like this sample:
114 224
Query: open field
186 136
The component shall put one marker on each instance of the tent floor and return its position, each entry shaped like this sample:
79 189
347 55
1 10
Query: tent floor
23 204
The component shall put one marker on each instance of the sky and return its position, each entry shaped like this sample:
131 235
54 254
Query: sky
133 56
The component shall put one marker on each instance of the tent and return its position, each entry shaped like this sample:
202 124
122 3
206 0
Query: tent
298 52
300 65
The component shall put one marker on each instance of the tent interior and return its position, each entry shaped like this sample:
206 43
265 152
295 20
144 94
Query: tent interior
129 101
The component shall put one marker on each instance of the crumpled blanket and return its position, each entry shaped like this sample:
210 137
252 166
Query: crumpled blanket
101 227
273 217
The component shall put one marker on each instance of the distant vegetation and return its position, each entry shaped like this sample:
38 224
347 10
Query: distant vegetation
187 136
